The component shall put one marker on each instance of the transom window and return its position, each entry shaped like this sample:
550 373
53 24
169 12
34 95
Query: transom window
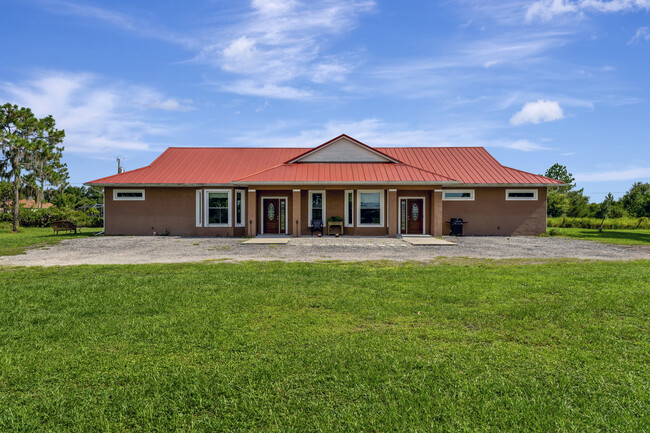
521 194
217 208
458 194
128 194
370 209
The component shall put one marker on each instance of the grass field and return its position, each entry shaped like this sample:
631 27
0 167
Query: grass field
560 346
610 236
12 243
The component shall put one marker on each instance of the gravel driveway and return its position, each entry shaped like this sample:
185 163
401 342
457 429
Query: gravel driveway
147 249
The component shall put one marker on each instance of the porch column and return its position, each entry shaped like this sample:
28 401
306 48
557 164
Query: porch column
296 221
436 213
392 213
251 213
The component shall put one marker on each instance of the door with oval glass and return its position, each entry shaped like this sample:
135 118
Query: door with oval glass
413 214
274 215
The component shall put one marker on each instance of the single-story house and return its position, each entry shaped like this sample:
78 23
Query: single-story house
376 191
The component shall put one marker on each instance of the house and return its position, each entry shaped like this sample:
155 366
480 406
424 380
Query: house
226 191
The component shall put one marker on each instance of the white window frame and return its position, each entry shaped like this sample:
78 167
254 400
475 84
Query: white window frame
382 206
399 214
470 198
206 209
312 192
117 191
243 208
346 212
533 198
199 208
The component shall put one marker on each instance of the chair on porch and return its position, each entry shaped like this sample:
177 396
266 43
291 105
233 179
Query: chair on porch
316 226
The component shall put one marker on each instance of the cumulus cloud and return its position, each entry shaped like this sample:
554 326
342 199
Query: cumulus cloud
546 10
538 112
642 34
97 116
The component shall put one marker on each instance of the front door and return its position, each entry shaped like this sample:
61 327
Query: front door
414 216
271 215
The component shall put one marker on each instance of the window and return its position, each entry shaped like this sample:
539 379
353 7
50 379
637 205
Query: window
402 214
370 208
217 208
128 194
199 208
521 194
458 194
349 208
316 206
240 208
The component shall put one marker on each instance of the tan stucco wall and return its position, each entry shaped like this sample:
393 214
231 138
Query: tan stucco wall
491 214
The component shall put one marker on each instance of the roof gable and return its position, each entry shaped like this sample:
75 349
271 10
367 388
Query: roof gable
343 149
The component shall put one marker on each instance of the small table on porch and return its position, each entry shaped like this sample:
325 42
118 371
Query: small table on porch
332 224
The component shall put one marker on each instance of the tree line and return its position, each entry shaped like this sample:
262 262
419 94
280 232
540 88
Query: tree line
567 201
31 166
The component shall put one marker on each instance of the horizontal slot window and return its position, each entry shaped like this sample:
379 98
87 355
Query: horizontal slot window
128 194
458 194
521 194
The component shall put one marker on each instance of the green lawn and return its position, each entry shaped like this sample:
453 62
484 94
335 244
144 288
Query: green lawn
12 243
560 346
620 236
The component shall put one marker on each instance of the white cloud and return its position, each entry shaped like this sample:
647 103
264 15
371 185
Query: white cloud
642 33
634 173
267 90
282 42
546 10
525 146
538 112
96 116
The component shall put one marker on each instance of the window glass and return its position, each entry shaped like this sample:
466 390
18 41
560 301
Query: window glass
129 194
282 214
403 215
238 207
370 208
317 206
521 194
218 208
350 207
458 194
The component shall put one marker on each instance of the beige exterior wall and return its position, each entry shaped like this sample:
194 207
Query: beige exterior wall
173 210
491 214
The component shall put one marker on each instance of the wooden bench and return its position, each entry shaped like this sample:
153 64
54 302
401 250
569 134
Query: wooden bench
63 226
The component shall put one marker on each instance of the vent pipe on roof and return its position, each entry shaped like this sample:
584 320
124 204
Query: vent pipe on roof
120 169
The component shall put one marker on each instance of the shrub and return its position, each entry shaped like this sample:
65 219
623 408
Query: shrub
44 217
594 223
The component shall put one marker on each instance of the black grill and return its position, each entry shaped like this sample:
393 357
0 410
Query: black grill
456 225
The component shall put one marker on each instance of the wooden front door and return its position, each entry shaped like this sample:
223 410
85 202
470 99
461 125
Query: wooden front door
414 216
271 215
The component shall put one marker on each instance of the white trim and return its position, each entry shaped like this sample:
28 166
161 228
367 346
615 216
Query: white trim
296 190
252 190
104 213
387 209
392 190
117 191
206 209
368 183
382 207
286 213
533 198
311 192
399 214
243 208
199 208
462 191
346 212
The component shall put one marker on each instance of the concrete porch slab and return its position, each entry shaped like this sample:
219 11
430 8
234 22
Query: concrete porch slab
281 240
425 240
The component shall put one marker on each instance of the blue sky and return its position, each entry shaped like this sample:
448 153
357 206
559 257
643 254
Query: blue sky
535 82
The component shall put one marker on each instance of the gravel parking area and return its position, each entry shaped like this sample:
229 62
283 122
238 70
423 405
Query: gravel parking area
147 249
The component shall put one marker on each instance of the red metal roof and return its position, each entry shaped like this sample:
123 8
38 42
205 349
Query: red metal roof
223 165
344 173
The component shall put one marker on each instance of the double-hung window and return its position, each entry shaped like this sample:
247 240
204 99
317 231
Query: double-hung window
240 206
370 208
349 208
316 206
217 209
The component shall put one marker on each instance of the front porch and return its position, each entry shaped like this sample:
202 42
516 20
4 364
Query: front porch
362 210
